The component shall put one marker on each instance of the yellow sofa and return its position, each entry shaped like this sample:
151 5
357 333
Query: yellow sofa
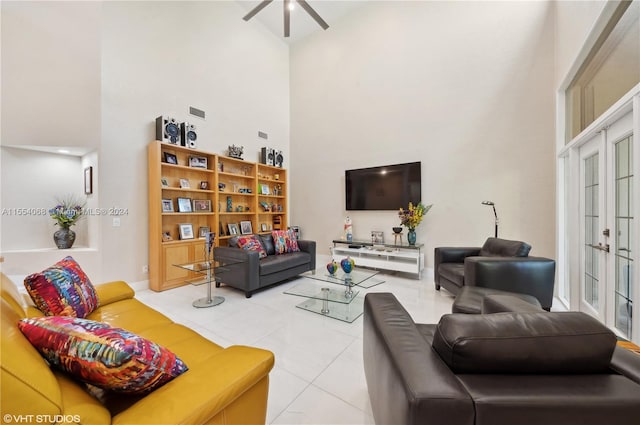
222 386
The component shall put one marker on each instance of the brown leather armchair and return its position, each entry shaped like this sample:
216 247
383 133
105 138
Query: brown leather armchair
499 264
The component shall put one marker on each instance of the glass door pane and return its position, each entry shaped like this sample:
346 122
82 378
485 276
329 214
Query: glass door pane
624 235
592 224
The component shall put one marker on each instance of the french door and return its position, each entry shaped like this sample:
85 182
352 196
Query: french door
607 225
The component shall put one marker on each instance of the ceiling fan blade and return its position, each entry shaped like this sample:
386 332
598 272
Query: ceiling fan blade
257 9
313 14
287 17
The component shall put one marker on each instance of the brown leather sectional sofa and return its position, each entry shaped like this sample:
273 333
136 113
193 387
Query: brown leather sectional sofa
527 368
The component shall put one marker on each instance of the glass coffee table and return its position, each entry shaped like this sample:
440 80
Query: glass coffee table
338 302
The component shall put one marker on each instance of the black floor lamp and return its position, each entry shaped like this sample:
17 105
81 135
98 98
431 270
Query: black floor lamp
494 213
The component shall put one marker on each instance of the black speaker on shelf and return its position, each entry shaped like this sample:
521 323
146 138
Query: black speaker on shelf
188 135
278 159
168 130
267 156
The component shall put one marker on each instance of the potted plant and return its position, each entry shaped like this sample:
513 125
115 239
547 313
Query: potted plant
411 218
66 213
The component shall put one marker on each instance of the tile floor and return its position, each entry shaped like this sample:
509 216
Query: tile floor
318 376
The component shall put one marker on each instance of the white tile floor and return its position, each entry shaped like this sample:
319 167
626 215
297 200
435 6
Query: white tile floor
318 376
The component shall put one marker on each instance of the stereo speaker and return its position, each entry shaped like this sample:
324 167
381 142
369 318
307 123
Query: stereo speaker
267 156
167 130
188 135
278 159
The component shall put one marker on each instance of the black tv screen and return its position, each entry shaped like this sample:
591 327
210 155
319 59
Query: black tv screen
383 188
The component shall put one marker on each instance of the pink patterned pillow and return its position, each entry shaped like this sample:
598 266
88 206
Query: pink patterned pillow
252 243
285 241
62 290
94 352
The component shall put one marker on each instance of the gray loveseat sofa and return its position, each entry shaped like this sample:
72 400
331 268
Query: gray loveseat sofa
250 273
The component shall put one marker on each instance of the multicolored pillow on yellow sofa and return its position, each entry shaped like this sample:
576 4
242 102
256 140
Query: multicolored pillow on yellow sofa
252 243
285 241
98 354
62 290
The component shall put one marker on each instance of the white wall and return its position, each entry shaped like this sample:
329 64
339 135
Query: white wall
464 87
154 58
574 21
51 73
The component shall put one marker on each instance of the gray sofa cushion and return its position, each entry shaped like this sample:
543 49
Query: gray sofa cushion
277 263
267 242
470 300
524 343
453 272
509 303
495 247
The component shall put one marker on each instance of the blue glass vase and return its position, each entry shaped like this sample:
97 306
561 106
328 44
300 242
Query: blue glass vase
411 237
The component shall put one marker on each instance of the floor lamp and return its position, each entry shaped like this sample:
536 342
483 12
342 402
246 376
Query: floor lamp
494 213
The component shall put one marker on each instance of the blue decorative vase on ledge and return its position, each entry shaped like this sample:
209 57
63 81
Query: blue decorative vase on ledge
411 237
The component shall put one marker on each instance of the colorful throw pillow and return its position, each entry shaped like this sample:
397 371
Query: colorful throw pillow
252 243
94 352
62 290
285 241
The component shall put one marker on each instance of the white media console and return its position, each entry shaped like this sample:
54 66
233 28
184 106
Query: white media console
401 258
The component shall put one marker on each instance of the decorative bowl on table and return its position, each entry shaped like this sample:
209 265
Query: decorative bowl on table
397 229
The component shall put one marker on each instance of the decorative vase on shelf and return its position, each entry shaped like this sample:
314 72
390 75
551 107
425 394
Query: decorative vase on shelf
64 237
411 237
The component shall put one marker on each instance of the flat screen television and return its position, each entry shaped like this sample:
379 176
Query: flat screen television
383 188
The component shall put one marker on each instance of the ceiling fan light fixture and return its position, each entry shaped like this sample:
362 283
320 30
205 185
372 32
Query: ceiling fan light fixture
289 5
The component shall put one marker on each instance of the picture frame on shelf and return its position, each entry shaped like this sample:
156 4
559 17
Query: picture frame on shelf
245 228
204 185
170 158
166 237
198 162
167 205
264 189
201 205
186 231
184 205
164 182
184 184
377 237
233 229
263 227
203 231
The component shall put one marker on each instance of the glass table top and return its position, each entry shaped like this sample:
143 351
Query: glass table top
310 290
359 277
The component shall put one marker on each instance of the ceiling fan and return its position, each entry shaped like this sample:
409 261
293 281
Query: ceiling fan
287 12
